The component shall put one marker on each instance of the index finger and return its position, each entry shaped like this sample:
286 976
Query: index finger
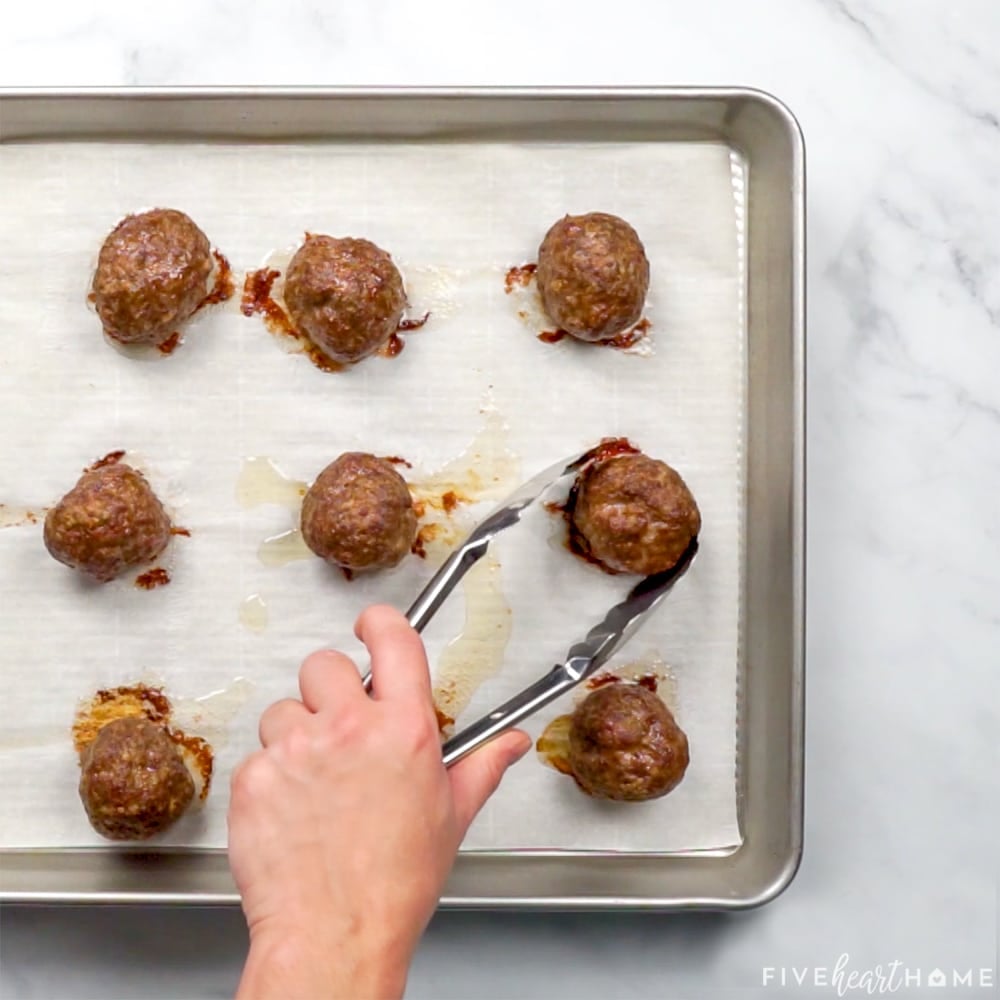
399 661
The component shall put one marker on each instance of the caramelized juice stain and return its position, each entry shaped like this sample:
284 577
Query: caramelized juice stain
17 517
223 287
152 578
138 701
519 277
477 653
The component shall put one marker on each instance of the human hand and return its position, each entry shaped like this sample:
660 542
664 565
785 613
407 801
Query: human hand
344 827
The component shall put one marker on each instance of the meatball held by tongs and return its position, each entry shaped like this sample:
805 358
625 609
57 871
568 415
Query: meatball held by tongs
586 657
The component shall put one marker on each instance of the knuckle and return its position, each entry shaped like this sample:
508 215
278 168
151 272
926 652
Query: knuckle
250 778
421 733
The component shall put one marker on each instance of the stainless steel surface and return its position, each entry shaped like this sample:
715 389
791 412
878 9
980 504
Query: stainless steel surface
583 660
766 137
504 516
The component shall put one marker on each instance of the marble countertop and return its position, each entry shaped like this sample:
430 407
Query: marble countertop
900 106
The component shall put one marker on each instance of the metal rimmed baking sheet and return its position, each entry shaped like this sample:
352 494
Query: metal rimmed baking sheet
770 657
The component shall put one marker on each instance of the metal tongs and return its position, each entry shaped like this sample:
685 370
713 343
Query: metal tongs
584 658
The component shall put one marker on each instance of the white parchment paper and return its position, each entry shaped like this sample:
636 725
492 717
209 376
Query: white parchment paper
454 218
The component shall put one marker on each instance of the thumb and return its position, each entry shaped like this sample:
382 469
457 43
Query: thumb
475 778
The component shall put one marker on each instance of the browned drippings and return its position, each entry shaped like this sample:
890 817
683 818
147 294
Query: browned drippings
111 458
168 346
552 336
257 293
140 701
448 501
406 325
257 298
153 578
224 287
648 681
519 276
136 701
16 517
609 448
426 534
186 532
601 680
627 338
392 346
621 341
575 542
202 756
395 344
444 721
396 460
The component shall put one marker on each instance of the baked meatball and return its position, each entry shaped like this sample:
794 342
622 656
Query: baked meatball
134 782
152 274
592 275
634 514
625 745
345 295
359 514
111 520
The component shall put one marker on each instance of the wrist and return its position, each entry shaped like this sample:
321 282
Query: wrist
289 965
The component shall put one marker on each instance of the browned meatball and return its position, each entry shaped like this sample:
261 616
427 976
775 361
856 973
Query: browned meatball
345 295
152 274
592 275
111 520
634 514
359 514
134 782
624 744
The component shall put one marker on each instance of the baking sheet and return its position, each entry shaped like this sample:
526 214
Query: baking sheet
454 217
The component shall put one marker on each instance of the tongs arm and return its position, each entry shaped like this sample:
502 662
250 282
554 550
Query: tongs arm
506 515
536 696
443 581
583 660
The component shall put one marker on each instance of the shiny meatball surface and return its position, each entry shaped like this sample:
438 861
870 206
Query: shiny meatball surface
134 783
110 521
346 295
593 275
634 514
152 274
359 514
625 745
